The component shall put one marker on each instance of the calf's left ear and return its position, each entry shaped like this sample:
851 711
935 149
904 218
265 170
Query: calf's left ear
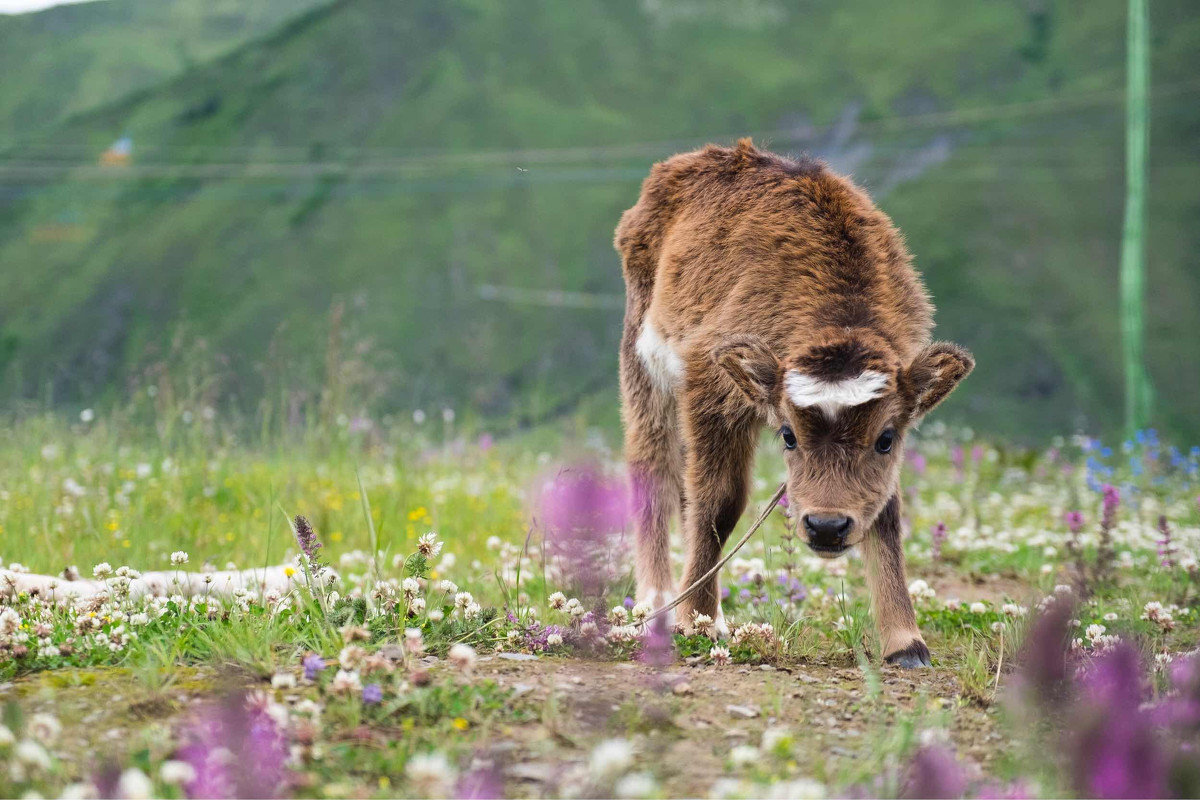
752 367
934 373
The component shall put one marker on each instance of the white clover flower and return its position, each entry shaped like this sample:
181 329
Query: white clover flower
618 616
176 773
10 621
87 415
283 680
719 655
430 774
921 590
1094 632
1111 616
472 611
610 758
554 640
978 608
449 587
641 610
997 627
32 754
704 624
462 656
45 728
557 601
79 791
140 618
636 785
575 608
462 600
411 587
179 557
744 754
346 682
437 615
416 606
135 785
414 642
428 545
351 657
102 570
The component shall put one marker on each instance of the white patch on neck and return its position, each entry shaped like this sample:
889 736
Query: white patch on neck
662 362
832 396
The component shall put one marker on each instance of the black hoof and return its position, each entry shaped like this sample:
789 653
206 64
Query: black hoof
911 657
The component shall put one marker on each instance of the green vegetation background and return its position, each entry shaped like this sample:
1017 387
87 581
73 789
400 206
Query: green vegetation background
395 160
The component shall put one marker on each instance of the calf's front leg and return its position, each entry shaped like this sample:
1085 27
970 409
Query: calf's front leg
893 608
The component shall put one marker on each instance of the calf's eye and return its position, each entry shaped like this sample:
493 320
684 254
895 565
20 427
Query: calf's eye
789 438
884 443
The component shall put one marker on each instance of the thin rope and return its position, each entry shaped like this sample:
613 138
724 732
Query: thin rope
691 590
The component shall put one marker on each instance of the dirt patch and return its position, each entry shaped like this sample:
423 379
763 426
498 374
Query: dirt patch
995 587
689 717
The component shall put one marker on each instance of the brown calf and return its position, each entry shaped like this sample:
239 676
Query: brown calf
765 290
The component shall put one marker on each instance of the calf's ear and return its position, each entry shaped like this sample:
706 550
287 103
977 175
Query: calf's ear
934 374
752 367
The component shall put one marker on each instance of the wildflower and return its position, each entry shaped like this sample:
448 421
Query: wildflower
32 754
102 570
354 633
428 545
179 557
1166 548
431 774
313 664
939 538
306 537
6 737
10 621
135 785
777 740
557 601
283 680
411 587
372 693
640 611
87 415
1156 613
176 773
934 772
1074 520
618 616
462 656
345 682
921 590
719 655
416 607
351 657
462 600
610 758
413 641
554 640
978 608
449 587
45 728
635 785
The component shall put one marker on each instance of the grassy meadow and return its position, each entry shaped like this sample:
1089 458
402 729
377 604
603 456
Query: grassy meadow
452 638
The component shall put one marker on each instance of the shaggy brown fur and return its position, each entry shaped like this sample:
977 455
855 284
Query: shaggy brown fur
765 290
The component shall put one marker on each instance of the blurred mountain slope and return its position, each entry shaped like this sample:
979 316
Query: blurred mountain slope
72 58
452 171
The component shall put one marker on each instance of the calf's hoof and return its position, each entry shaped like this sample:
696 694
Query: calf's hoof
911 657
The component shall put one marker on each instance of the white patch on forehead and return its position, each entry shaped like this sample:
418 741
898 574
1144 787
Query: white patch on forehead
662 362
832 396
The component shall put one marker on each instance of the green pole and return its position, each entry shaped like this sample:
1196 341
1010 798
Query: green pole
1137 139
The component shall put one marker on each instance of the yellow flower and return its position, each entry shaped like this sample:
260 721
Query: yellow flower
126 543
336 536
418 513
229 536
461 723
384 782
289 571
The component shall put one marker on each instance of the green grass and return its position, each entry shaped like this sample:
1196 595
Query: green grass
73 493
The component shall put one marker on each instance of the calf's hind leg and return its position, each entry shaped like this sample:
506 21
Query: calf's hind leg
898 632
654 458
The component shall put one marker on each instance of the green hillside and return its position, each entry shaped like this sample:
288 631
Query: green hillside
400 159
72 58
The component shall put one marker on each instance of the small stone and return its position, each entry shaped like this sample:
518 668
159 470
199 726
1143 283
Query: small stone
517 656
742 712
683 687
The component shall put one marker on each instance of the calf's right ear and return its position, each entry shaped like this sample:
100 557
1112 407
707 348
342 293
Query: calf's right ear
752 367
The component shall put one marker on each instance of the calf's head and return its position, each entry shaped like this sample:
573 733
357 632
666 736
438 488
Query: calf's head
841 409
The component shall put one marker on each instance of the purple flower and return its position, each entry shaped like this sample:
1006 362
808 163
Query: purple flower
583 512
1116 753
934 772
1112 500
658 645
312 664
485 442
783 501
372 693
306 537
939 537
236 750
1074 520
918 462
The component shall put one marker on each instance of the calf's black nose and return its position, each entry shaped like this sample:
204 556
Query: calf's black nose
827 530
